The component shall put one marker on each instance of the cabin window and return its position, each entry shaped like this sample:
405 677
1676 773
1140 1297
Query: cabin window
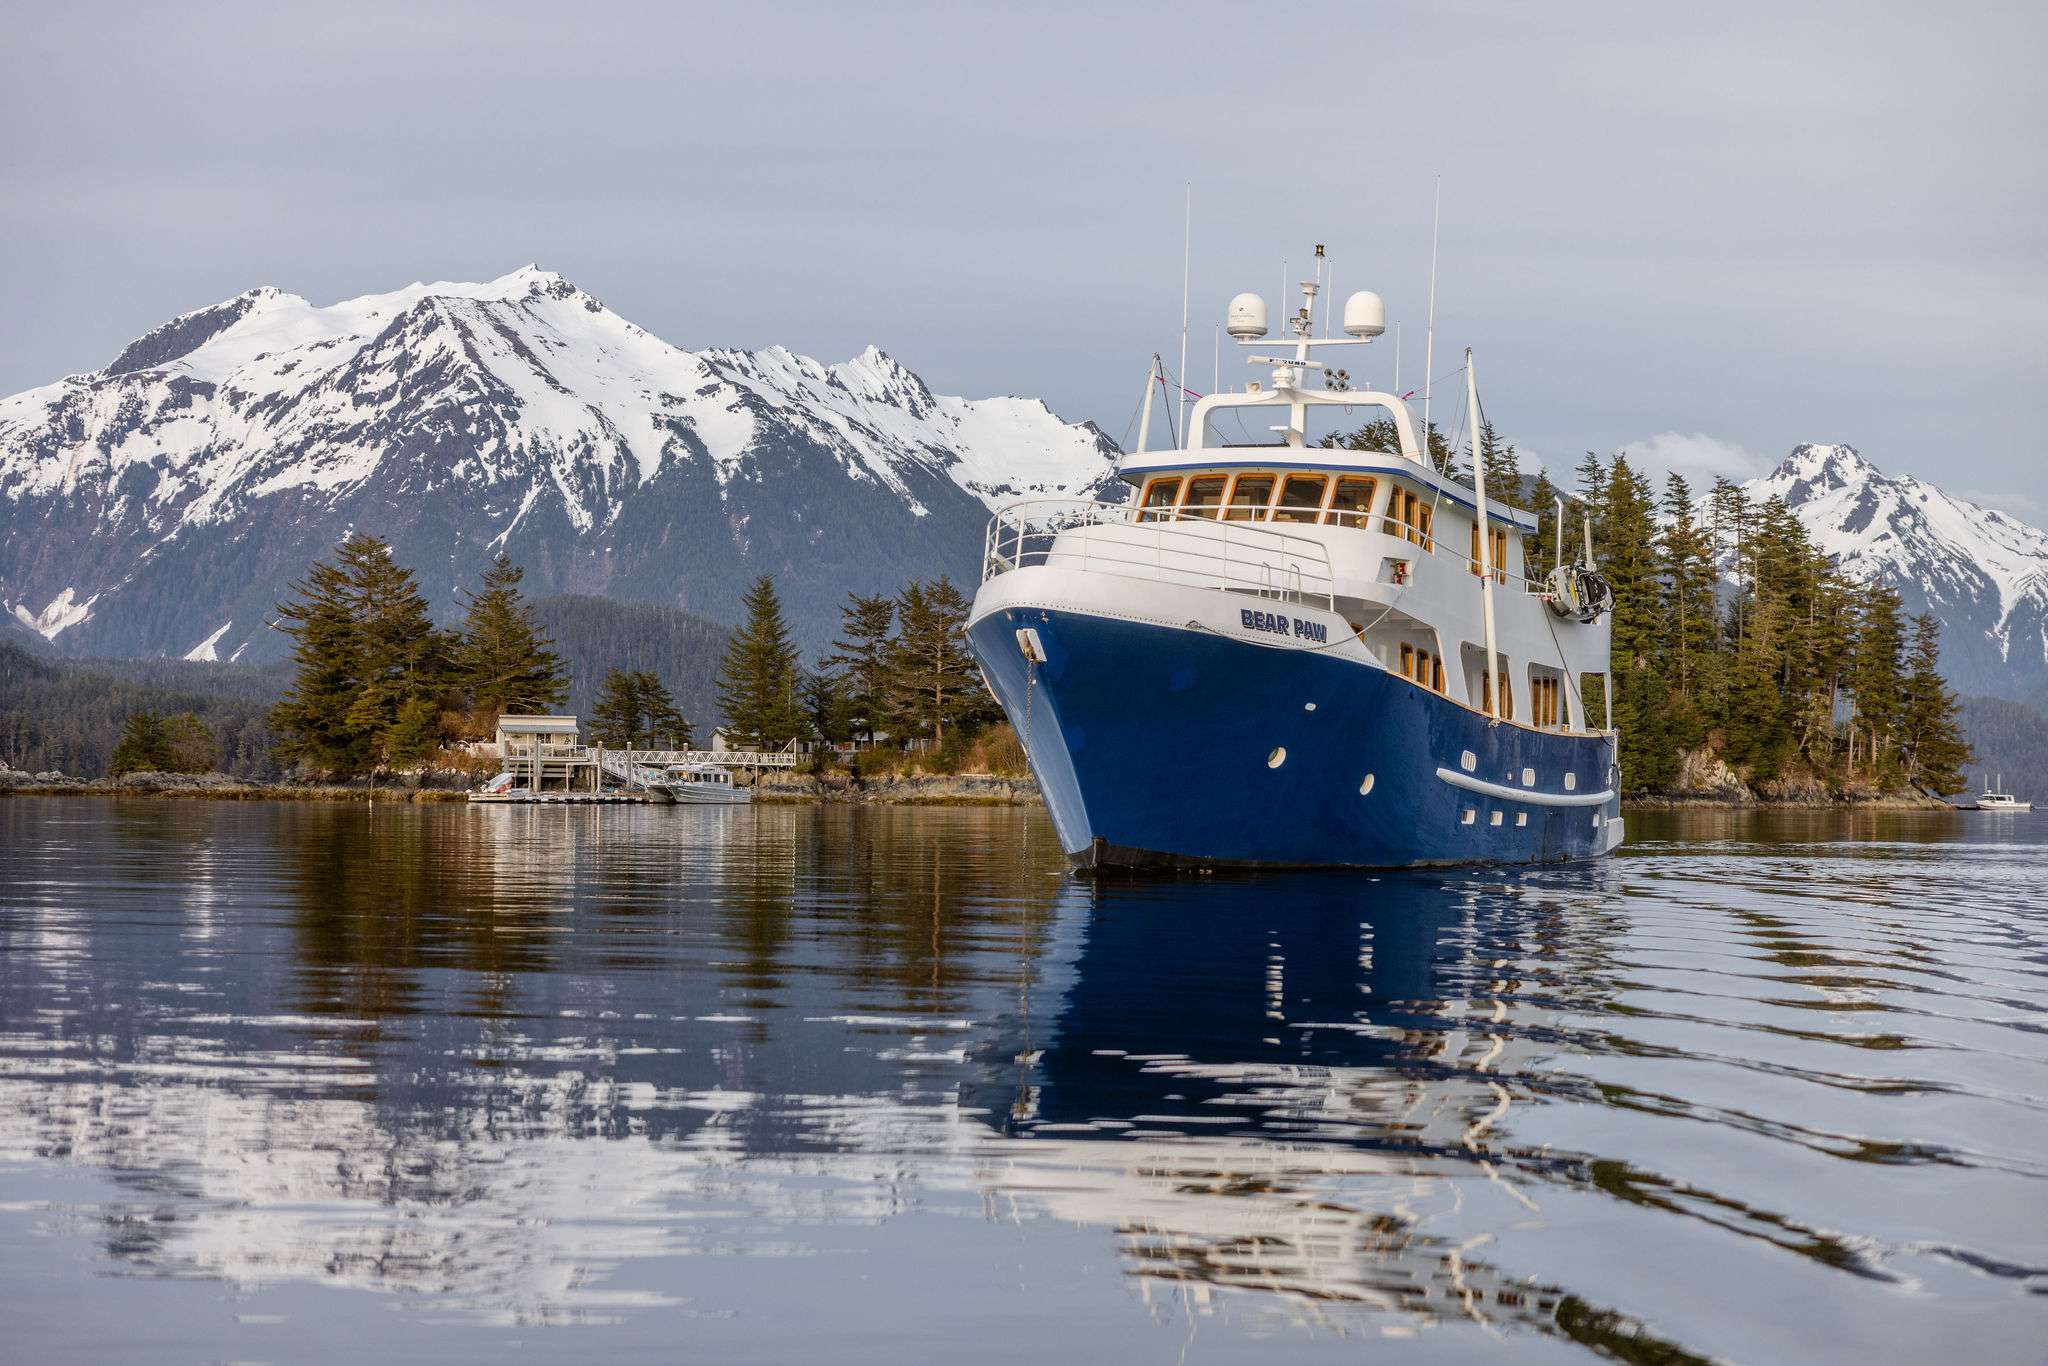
1157 504
1353 500
1409 517
1507 697
1420 666
1499 538
1301 497
1544 697
1248 498
1205 496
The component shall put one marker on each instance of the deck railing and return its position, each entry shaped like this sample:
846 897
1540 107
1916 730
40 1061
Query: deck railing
1106 538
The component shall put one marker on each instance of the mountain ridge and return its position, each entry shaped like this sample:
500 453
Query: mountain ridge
162 505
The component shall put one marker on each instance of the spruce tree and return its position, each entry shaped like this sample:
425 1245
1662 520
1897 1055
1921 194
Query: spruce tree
932 676
1931 737
660 724
144 746
312 720
1503 467
1540 547
415 733
401 658
615 722
1877 679
860 659
503 660
758 678
828 703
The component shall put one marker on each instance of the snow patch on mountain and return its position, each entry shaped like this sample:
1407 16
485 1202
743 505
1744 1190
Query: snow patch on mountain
63 611
205 651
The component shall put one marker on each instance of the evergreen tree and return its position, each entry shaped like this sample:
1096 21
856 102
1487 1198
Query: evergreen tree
1931 737
615 722
1540 548
828 703
400 656
502 659
1877 679
659 724
860 660
414 734
143 748
758 678
1503 467
312 720
154 743
932 676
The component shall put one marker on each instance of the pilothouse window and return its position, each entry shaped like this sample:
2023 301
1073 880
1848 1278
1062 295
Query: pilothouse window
1205 496
1353 501
1158 501
1248 498
1301 498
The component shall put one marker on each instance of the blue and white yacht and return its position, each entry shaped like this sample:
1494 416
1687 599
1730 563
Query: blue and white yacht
1282 653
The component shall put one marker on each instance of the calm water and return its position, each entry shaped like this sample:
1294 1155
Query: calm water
302 1082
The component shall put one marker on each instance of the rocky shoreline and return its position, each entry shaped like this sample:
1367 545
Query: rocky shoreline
957 789
217 787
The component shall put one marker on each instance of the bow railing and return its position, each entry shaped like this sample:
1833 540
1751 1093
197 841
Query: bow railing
1104 538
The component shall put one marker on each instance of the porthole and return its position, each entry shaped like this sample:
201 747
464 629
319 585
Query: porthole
1365 787
1571 782
1468 761
1528 777
1308 706
1467 816
1277 757
1596 820
1494 819
1521 819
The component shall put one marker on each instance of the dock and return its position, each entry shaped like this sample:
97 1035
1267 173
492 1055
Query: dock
543 760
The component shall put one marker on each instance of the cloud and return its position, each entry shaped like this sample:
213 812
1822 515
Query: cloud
1697 456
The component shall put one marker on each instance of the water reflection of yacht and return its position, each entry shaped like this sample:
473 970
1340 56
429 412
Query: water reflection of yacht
1306 1102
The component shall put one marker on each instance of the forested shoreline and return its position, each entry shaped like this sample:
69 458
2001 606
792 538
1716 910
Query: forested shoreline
1743 659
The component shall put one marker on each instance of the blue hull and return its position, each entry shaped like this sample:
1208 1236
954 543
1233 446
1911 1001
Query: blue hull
1153 748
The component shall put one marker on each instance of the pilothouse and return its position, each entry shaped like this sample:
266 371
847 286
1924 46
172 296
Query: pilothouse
1274 651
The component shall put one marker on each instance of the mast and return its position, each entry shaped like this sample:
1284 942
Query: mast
1187 246
1429 341
1145 416
1485 541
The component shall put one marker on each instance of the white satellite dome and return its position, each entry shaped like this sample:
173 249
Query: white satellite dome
1247 317
1365 314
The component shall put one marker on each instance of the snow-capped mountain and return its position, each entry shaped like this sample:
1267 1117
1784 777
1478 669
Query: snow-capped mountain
163 504
1983 573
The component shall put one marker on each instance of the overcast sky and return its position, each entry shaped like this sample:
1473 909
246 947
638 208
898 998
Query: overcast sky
1707 232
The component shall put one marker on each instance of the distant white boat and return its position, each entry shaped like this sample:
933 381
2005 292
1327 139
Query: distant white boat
1994 797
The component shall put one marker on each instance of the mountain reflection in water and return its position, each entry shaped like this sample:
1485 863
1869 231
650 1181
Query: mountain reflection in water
769 1081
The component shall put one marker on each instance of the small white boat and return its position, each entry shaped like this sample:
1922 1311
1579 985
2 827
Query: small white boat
1994 797
703 785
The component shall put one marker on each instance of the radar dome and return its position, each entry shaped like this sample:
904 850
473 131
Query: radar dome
1247 318
1365 315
